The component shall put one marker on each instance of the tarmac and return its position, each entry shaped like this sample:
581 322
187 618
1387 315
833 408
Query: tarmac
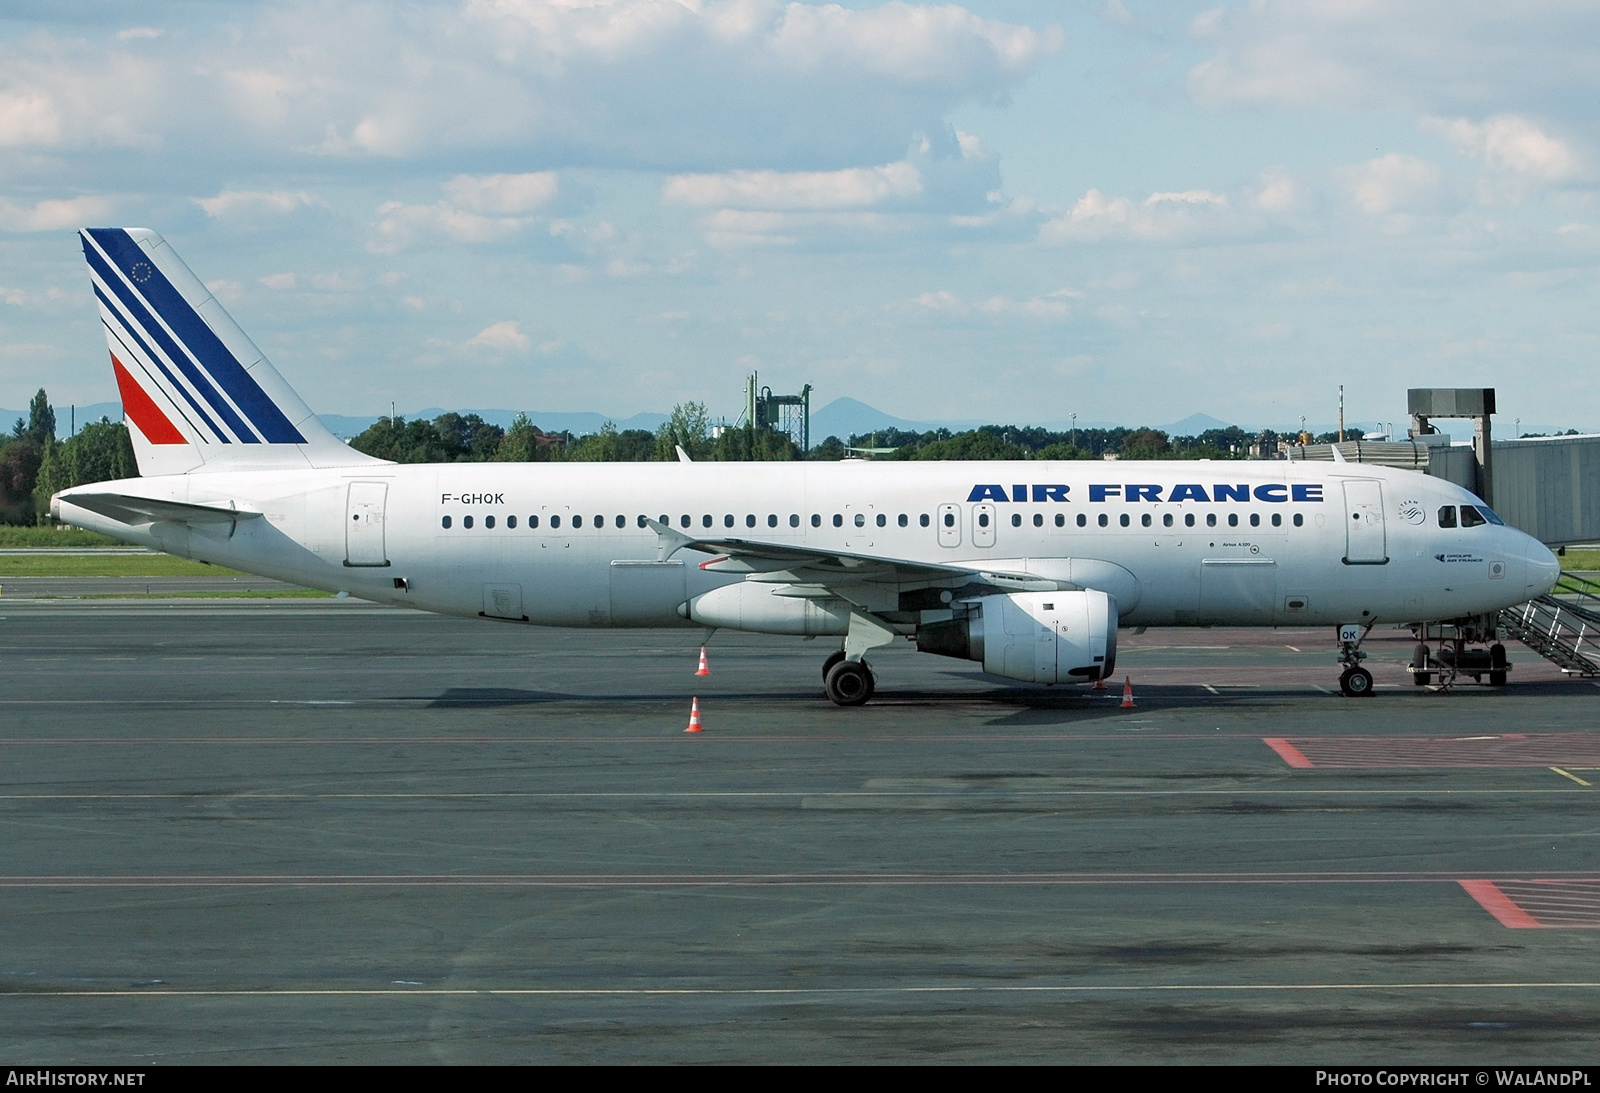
318 831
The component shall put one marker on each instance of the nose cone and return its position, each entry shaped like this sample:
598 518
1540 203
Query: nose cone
1543 567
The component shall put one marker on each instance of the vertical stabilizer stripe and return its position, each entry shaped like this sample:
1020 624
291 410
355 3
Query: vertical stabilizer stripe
208 349
147 325
142 409
155 358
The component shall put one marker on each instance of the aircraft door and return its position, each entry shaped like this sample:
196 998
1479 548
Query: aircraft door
363 525
949 525
983 525
1363 523
503 601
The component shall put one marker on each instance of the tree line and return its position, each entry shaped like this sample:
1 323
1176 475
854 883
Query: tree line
34 464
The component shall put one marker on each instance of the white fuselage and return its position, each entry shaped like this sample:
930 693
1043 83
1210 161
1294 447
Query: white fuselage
1177 543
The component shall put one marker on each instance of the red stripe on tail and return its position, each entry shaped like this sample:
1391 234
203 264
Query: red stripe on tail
142 410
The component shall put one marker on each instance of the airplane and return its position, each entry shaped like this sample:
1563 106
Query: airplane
1027 567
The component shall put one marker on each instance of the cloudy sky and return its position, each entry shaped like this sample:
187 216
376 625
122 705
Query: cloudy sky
1126 210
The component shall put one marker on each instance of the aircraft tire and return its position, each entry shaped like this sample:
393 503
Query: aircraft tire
1497 679
827 665
1356 683
1421 679
849 683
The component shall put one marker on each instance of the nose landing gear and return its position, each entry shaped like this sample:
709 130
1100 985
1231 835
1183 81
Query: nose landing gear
1355 681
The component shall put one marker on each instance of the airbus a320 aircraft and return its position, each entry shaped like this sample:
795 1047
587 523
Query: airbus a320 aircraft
1027 567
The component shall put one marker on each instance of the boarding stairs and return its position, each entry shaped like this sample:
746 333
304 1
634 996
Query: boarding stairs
1563 625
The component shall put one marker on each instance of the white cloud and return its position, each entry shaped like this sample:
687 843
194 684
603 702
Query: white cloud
1428 55
54 214
853 187
472 211
1169 217
1051 305
226 291
1509 143
503 335
652 83
235 202
279 280
1392 183
502 193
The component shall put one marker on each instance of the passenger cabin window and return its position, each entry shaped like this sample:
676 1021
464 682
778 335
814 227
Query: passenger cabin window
1211 519
511 521
1447 516
1104 520
1188 519
727 520
772 519
1083 521
861 520
1299 519
838 521
445 523
1166 520
555 521
794 519
983 519
577 521
1124 519
1145 520
904 519
1016 519
1471 517
466 521
686 521
750 520
1255 519
488 521
1277 519
924 519
705 520
622 521
1233 519
882 520
949 519
816 519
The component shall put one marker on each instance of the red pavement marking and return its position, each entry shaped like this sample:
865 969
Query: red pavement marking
1442 752
1557 904
1291 754
1498 904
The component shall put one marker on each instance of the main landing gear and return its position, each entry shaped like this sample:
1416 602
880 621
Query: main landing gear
1355 681
846 678
847 682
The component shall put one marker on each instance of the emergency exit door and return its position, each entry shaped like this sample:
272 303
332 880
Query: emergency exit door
363 525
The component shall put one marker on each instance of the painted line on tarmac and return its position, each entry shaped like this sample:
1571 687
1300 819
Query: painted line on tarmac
974 795
772 880
806 992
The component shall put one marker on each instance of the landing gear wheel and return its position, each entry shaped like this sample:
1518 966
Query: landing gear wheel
849 683
1356 683
1421 679
1419 662
1497 679
827 665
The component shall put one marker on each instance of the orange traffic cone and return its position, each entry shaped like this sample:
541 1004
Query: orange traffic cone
1100 684
694 718
1127 693
704 669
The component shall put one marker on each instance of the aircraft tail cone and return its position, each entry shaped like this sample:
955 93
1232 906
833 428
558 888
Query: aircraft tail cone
1127 693
694 717
704 669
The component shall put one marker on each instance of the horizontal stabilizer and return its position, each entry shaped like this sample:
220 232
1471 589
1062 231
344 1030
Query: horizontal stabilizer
143 510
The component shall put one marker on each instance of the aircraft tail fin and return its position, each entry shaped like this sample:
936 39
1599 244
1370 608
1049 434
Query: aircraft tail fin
196 392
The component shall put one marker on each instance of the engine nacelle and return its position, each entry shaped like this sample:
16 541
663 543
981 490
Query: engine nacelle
1038 637
757 606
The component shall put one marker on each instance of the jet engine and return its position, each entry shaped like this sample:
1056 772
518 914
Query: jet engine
1037 637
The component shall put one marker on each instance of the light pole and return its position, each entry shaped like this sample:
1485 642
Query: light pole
1074 430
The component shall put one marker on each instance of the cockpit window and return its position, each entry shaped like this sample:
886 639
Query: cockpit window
1447 516
1488 514
1470 517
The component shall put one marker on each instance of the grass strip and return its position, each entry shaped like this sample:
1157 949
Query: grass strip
111 565
18 537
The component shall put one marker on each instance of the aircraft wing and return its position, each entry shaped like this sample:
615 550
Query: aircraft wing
126 509
804 565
